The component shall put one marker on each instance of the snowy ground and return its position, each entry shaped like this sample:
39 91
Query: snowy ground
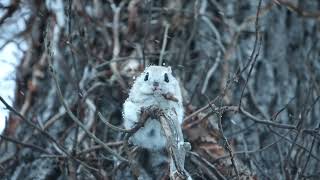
10 54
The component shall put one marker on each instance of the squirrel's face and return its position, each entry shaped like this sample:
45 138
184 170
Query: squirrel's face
157 80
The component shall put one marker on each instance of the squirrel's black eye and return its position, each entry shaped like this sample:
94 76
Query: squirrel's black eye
146 77
166 77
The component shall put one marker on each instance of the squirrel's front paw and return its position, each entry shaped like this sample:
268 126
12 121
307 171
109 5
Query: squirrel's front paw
153 111
169 96
185 145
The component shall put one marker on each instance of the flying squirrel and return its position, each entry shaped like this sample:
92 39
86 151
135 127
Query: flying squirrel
154 87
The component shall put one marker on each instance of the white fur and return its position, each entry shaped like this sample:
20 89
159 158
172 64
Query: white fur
142 95
144 139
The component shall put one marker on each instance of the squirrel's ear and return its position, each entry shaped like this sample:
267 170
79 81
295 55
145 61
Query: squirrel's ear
169 69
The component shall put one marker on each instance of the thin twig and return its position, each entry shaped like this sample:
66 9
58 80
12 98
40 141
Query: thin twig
295 143
145 36
11 9
255 40
116 42
184 49
164 44
299 11
253 52
210 72
44 133
243 112
104 120
227 145
97 147
209 165
309 155
30 123
76 120
32 146
256 150
68 110
266 122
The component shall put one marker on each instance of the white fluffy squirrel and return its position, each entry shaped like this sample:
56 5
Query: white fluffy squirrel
148 90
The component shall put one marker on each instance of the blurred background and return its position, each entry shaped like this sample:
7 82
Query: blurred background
249 72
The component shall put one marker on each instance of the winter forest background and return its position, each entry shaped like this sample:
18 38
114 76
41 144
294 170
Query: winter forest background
249 72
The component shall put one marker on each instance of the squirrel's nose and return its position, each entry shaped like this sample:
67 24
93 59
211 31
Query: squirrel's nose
156 84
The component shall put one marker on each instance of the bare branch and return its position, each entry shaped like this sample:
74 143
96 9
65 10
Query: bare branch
164 44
